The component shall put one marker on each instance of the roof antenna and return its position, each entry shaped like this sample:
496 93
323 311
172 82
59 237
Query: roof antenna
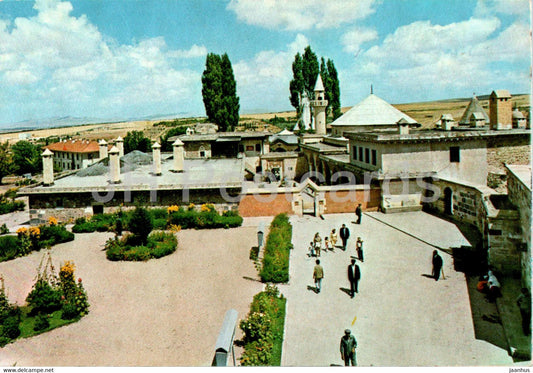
371 89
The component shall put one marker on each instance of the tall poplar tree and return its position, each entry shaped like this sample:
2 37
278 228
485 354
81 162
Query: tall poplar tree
219 92
296 86
334 90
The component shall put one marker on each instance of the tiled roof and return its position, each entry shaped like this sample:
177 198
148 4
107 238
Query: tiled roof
74 146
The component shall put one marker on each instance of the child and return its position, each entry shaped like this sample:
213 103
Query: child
318 243
311 249
333 238
326 243
359 248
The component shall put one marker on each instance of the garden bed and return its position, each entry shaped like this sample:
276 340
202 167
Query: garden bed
263 329
275 264
159 244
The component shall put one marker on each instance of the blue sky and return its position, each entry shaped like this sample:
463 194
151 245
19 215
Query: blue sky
138 58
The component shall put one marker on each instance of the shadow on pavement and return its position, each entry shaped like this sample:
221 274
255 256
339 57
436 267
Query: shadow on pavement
312 288
347 291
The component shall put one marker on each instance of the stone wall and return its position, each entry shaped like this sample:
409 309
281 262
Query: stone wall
520 196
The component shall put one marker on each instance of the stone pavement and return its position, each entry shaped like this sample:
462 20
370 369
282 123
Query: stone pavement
400 317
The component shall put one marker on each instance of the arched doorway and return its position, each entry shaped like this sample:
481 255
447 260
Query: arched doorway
448 201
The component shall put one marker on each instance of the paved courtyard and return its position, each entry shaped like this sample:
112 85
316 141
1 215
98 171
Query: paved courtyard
164 312
400 317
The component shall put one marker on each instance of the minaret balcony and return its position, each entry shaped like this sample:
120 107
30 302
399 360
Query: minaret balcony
319 103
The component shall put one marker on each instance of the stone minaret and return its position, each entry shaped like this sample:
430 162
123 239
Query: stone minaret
319 105
114 166
48 167
156 153
177 147
119 143
102 148
501 110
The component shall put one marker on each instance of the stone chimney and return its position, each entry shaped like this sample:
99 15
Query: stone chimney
103 149
48 167
177 147
114 166
119 143
403 126
156 153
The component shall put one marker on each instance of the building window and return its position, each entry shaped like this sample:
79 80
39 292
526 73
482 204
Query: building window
455 154
360 154
258 148
367 155
354 152
241 148
249 148
374 156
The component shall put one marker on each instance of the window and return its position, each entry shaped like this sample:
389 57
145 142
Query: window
241 148
258 148
454 154
354 152
367 155
374 156
360 154
249 148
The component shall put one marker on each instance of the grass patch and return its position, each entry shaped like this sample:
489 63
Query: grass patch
27 322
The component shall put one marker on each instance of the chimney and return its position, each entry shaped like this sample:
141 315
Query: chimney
177 147
119 143
114 166
103 149
48 167
156 153
403 126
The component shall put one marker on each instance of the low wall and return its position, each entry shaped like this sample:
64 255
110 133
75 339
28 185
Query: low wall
342 201
265 204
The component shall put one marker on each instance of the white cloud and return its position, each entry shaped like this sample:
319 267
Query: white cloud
264 79
302 14
512 7
65 63
353 39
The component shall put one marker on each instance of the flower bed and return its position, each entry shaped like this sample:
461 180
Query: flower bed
263 329
53 301
275 265
159 244
206 218
33 239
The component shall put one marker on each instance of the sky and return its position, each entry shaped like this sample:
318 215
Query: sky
126 59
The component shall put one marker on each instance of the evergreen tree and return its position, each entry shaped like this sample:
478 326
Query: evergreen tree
219 92
135 140
296 86
309 71
333 90
5 160
141 224
26 158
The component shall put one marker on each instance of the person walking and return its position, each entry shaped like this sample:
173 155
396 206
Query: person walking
345 234
524 304
348 345
318 275
333 238
359 249
354 274
359 213
437 265
311 249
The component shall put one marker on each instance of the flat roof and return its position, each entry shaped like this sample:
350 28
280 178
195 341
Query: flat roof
522 173
220 136
198 174
324 148
433 136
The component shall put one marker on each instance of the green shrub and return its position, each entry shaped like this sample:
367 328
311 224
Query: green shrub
10 327
9 247
141 224
54 234
68 311
158 244
43 298
263 329
160 224
275 265
41 323
7 207
205 219
4 229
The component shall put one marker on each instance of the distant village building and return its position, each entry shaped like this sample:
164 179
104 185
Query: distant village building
74 154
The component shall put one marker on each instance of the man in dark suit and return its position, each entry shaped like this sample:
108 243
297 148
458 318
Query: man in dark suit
437 265
359 213
354 274
345 234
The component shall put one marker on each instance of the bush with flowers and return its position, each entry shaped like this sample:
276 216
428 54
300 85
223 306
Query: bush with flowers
263 329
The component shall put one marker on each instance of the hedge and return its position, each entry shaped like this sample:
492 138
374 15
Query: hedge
263 329
159 244
275 265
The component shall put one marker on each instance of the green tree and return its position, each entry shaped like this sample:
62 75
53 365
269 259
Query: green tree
219 92
6 163
141 224
296 86
310 70
135 140
166 146
26 158
334 90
